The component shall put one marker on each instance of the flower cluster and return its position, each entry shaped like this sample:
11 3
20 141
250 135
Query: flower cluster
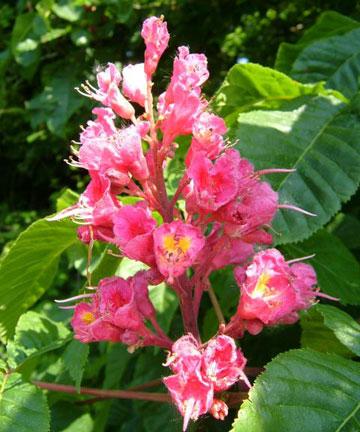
199 372
225 219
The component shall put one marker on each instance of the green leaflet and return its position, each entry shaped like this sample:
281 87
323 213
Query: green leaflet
75 357
35 335
329 23
23 407
335 60
303 390
29 268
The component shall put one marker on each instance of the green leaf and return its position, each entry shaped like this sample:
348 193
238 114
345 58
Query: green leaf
58 101
319 137
250 86
117 360
82 424
67 10
337 269
165 302
335 60
29 267
24 44
23 407
54 34
66 199
75 358
303 390
345 227
34 336
106 266
119 10
128 268
329 24
345 328
317 336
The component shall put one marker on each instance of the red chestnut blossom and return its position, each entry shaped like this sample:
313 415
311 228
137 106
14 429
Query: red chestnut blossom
108 92
94 209
192 395
181 104
176 247
134 83
178 118
133 228
207 136
89 327
185 355
223 363
116 154
272 291
213 184
117 304
267 294
189 72
156 37
219 409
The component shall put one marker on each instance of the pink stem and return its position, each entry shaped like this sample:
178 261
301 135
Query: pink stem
326 296
78 297
295 208
300 259
274 171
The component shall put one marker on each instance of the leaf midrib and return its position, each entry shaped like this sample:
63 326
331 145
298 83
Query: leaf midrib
348 418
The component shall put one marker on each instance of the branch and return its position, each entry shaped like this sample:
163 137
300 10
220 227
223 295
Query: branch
232 398
105 394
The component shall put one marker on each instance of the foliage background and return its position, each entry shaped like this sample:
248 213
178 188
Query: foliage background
47 47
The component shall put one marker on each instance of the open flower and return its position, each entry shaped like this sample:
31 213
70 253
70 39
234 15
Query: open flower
176 246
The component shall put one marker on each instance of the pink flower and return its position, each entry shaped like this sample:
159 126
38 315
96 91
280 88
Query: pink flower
213 184
189 73
108 92
89 327
192 395
272 292
94 209
156 37
223 363
208 130
304 281
267 294
176 246
252 208
219 409
232 251
115 153
178 117
133 228
134 83
185 356
117 304
128 154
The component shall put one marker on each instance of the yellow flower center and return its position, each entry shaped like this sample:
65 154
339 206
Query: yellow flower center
173 245
261 288
87 318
